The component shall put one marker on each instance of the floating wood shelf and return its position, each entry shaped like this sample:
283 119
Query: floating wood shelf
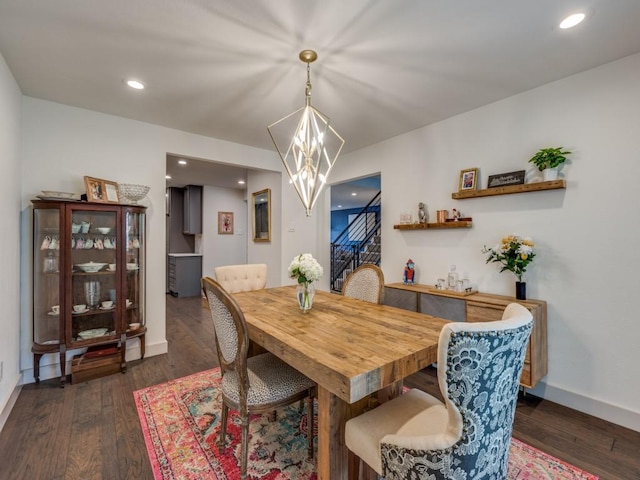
429 226
509 189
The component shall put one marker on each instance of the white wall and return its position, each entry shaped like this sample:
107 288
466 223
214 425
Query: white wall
266 252
223 249
10 131
586 235
61 144
292 232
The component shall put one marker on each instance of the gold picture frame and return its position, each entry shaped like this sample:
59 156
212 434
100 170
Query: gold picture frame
468 179
225 223
101 191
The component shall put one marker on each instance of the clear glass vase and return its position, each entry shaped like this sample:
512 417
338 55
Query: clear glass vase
304 294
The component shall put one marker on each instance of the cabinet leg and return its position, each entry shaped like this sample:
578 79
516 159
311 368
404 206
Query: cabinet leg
142 344
36 366
63 365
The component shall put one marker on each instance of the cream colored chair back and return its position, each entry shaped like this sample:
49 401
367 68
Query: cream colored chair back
242 278
365 283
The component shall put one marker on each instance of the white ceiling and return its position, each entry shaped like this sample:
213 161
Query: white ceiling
227 69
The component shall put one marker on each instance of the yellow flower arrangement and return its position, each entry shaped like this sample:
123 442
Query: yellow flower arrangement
515 253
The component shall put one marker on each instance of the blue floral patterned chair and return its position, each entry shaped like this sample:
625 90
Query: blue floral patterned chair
251 385
415 436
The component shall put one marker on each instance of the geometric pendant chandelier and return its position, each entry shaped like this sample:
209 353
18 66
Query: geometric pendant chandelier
307 144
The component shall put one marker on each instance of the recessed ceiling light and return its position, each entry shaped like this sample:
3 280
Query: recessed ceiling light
572 20
339 206
168 177
353 194
135 84
241 182
182 162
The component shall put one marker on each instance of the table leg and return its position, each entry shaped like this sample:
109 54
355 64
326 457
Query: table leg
332 452
333 413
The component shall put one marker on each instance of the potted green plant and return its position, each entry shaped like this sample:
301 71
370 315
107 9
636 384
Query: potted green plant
548 160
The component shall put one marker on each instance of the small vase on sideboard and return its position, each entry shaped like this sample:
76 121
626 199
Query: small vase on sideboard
521 290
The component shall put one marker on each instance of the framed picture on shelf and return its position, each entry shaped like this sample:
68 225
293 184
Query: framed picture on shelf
505 179
468 179
225 223
99 190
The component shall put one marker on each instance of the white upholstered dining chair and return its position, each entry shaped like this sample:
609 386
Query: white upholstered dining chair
365 283
242 278
251 385
415 436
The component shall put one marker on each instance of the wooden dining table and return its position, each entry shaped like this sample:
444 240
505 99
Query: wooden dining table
353 350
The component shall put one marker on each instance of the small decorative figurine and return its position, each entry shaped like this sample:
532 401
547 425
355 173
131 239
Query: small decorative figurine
422 212
456 214
409 273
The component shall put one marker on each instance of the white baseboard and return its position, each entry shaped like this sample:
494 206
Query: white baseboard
52 369
4 414
606 411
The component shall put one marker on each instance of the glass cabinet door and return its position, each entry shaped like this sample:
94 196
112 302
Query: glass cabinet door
93 276
46 277
134 286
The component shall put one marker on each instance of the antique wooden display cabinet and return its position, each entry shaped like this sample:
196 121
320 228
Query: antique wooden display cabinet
88 284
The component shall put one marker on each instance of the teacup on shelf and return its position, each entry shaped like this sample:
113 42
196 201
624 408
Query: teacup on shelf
79 308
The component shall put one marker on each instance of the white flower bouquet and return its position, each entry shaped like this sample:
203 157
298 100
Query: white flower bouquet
305 269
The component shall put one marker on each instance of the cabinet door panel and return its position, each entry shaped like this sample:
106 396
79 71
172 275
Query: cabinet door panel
443 307
483 312
394 297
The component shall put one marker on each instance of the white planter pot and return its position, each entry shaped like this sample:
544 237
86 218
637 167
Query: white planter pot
549 174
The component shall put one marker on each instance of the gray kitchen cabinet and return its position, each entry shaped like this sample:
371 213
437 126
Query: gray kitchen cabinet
192 208
185 272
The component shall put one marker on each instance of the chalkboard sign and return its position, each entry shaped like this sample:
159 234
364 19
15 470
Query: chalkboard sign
504 179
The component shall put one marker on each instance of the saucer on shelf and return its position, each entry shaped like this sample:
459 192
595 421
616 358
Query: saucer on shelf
53 314
92 333
83 311
107 308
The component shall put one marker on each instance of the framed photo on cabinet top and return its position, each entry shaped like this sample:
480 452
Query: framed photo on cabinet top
111 192
468 179
102 191
225 223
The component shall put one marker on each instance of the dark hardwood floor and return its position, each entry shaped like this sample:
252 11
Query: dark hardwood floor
91 430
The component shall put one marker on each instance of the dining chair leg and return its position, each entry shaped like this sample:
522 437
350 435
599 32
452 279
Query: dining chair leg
222 440
244 452
310 425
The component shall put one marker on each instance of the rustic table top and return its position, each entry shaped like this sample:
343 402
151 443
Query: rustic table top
350 347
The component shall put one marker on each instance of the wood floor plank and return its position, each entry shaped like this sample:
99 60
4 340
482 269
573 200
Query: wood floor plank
92 430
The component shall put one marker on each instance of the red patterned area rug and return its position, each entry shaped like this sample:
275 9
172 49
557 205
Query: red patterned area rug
181 418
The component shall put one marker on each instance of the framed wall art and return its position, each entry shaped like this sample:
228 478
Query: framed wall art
102 191
225 223
468 179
